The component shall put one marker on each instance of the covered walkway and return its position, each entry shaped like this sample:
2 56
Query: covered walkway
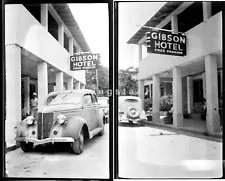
190 125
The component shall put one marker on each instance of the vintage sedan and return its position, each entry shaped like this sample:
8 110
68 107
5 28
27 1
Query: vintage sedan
104 105
131 109
68 116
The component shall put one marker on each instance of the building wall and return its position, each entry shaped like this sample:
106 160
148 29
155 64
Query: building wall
202 40
23 29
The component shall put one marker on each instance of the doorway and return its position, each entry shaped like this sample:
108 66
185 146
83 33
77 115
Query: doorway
198 95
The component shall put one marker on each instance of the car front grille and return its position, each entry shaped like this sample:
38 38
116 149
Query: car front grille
45 122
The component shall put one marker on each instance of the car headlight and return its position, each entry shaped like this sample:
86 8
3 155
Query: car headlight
30 120
61 119
105 111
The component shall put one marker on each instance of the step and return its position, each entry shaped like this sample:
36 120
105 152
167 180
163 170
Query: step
195 116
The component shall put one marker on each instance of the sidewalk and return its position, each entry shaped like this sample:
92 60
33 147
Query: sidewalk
190 125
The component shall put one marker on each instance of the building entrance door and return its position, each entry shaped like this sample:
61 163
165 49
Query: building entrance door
32 89
198 95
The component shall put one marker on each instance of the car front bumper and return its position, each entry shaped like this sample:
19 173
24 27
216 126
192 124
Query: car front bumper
44 141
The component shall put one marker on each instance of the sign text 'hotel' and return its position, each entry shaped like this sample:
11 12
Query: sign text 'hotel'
84 61
163 42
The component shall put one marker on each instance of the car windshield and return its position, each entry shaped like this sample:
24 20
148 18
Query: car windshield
50 98
66 98
102 101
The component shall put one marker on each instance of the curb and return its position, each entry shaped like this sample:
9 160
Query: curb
183 129
12 148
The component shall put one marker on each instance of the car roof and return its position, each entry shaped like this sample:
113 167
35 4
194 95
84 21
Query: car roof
129 97
79 91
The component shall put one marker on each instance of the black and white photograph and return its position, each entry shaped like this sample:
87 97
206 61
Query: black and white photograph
57 77
109 90
170 111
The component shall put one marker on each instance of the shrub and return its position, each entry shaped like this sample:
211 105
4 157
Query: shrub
147 104
166 102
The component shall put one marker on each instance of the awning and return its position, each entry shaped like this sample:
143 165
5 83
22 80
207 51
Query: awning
168 8
66 15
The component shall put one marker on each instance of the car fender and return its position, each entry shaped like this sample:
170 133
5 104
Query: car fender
73 126
23 130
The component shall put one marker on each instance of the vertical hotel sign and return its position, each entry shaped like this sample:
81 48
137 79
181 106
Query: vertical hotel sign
163 42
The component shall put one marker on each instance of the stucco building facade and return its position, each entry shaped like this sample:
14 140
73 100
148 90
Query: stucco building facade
192 78
39 38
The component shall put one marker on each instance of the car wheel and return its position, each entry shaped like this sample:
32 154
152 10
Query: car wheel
26 147
78 144
102 132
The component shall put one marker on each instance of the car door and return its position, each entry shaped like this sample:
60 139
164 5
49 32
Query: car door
88 111
96 110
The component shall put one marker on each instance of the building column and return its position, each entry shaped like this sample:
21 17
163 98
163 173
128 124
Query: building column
189 94
70 83
42 84
71 46
59 81
177 98
156 99
61 34
27 94
174 23
12 92
44 15
204 85
82 86
139 52
207 10
77 85
141 91
212 118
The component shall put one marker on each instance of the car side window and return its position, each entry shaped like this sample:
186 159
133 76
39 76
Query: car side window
87 99
94 99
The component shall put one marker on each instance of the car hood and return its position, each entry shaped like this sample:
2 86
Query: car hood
60 107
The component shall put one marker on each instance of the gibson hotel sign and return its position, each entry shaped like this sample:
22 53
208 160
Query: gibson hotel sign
84 61
162 42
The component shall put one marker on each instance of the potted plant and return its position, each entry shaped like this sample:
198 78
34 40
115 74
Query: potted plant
166 103
147 108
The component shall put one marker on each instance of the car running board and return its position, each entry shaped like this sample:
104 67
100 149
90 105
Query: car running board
95 132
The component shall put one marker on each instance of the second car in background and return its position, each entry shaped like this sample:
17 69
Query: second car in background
104 105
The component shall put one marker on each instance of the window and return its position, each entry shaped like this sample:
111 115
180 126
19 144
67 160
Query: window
216 7
50 99
190 17
131 100
87 99
146 93
198 90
